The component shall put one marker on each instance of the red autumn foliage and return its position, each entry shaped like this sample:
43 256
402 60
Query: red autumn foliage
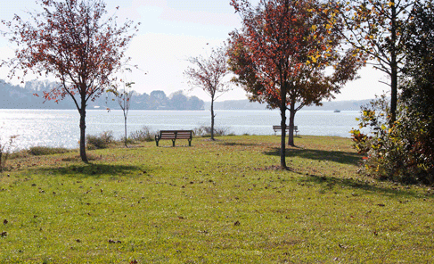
288 55
208 74
73 41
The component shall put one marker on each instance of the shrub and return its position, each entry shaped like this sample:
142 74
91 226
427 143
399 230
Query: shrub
5 151
128 140
205 131
100 142
400 152
142 135
39 151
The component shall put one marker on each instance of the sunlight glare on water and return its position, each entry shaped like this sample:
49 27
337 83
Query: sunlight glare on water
60 128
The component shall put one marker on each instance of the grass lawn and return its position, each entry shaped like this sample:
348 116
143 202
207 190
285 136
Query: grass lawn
214 202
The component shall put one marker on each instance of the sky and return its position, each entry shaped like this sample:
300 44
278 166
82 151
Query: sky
172 31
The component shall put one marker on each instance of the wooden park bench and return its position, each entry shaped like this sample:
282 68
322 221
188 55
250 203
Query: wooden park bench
174 135
279 128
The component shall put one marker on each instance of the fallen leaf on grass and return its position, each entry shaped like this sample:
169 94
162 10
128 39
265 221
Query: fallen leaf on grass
237 223
4 234
343 246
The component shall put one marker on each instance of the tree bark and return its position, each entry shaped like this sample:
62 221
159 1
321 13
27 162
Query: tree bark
283 137
82 112
283 126
291 124
394 67
125 116
212 118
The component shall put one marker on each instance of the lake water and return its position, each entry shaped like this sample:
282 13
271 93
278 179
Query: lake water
60 128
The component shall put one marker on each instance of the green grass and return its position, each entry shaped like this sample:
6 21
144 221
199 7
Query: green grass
214 202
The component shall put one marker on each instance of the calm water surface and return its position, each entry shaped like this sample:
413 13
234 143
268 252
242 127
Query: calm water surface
60 128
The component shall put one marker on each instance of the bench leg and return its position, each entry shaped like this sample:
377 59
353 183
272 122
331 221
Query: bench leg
189 142
173 142
156 141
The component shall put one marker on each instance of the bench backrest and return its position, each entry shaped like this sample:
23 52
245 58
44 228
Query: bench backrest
279 127
287 128
176 134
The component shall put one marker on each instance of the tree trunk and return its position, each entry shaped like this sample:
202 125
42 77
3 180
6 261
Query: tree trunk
394 94
394 67
283 90
291 124
82 112
283 137
125 116
212 118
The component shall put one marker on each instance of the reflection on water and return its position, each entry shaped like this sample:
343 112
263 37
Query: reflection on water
60 128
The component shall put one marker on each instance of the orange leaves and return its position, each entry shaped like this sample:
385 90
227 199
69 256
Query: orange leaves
286 59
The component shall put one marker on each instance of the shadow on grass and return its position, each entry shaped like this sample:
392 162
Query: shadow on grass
238 144
92 170
313 154
328 183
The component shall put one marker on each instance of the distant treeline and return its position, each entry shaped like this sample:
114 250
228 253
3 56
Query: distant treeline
17 97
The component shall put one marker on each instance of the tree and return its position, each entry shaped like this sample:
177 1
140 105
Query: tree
208 74
73 41
404 151
124 101
377 28
419 46
157 100
283 53
417 95
194 103
178 101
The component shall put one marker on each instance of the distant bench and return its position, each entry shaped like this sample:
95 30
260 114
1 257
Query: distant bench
279 128
174 135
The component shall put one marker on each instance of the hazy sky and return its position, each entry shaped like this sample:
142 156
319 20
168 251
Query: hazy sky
170 32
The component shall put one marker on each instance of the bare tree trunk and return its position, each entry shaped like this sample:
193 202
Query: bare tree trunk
291 124
283 90
394 93
82 112
125 116
212 118
394 67
283 137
